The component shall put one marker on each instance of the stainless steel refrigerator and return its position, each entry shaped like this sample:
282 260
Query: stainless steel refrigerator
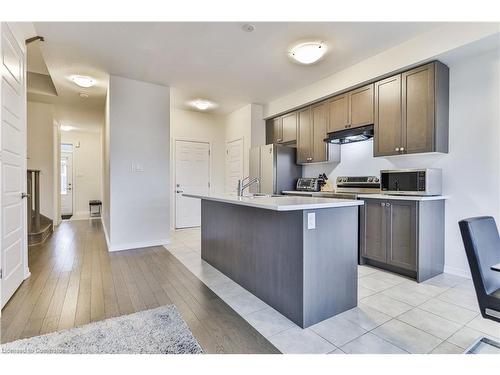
276 168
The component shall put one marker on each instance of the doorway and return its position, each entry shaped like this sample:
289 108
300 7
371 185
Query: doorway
66 190
192 175
234 164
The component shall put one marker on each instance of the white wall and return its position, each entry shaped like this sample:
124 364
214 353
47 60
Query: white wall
87 159
139 125
471 169
203 127
106 201
246 123
40 151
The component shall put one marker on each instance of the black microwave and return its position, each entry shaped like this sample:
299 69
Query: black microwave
411 181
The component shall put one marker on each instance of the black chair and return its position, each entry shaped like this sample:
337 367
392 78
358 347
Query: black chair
482 246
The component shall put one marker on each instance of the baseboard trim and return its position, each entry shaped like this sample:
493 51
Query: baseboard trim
138 245
457 272
105 232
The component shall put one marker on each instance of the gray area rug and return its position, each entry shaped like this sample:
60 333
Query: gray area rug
157 331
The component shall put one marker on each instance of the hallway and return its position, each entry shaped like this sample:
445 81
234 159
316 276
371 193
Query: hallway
75 280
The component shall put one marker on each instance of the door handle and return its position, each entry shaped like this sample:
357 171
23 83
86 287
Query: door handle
25 195
179 191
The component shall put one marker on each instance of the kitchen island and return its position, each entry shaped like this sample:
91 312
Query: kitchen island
297 254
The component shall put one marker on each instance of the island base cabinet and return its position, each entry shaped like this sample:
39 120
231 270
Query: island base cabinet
402 236
308 275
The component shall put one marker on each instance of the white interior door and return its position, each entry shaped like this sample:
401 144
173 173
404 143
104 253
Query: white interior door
234 165
13 259
192 175
66 183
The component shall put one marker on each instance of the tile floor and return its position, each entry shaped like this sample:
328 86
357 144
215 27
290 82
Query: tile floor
394 314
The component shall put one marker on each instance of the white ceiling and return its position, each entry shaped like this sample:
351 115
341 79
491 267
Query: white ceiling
216 61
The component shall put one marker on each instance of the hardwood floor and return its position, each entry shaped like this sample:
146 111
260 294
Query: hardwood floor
75 280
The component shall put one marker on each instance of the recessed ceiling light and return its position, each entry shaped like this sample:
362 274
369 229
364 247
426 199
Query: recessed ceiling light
67 128
83 81
248 27
308 52
202 104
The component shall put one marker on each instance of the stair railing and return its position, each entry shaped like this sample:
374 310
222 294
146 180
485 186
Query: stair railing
33 184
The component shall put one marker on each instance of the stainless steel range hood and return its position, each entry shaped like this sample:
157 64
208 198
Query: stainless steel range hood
362 133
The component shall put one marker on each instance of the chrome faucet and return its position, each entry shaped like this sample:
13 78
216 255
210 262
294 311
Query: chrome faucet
242 187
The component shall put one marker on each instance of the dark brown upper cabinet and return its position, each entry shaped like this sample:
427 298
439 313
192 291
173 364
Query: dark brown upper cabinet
277 130
338 108
351 110
388 129
319 115
361 106
283 129
411 111
289 128
304 137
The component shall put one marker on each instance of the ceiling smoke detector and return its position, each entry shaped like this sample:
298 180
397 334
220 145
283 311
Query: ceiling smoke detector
248 27
83 81
308 52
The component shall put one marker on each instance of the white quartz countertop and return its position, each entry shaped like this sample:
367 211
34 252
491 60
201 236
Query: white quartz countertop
280 203
309 193
404 197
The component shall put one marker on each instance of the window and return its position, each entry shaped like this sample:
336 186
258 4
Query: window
64 176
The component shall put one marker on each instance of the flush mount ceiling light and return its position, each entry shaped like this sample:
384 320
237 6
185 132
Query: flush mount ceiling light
308 52
202 104
83 81
67 128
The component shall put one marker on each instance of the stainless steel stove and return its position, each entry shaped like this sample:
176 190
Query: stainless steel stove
349 187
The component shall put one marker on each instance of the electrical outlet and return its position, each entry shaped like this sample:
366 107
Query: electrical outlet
311 220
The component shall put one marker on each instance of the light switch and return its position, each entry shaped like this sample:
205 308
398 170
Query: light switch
311 220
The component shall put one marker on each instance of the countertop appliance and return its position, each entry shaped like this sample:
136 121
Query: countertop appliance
344 136
275 167
308 184
423 182
347 187
350 187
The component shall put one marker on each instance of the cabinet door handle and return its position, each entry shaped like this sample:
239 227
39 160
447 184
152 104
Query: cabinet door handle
387 204
382 204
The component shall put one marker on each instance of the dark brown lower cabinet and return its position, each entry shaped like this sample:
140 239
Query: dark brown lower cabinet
403 236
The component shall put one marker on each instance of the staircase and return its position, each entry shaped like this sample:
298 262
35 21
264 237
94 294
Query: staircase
39 226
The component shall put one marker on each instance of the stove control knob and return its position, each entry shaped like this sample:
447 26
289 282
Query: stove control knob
370 179
376 179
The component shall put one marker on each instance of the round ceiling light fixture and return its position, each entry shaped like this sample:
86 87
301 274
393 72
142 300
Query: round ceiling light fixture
83 81
308 52
202 104
67 128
